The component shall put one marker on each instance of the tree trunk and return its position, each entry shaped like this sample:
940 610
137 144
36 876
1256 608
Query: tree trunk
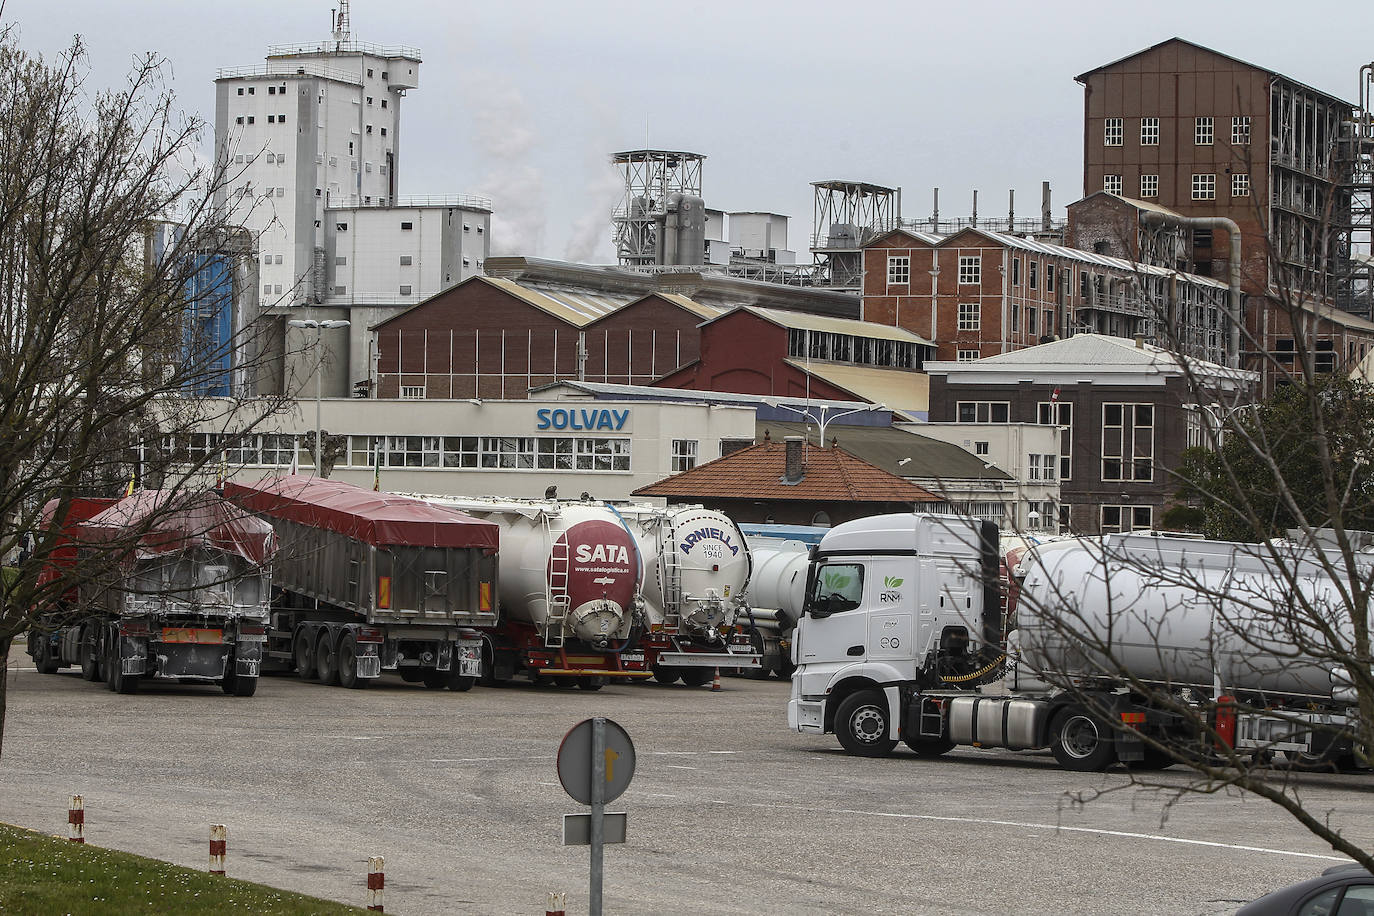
5 642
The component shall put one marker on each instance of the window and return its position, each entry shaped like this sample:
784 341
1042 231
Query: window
383 103
1240 131
1113 129
968 356
405 289
281 192
1015 271
1123 519
1128 436
1033 275
278 448
369 73
508 452
1202 131
1015 317
684 455
238 120
278 259
252 90
1032 321
603 454
1042 467
271 90
250 119
970 268
369 129
267 289
461 452
1240 184
240 90
1149 185
412 392
969 317
983 411
341 261
1149 131
839 587
1204 186
1112 184
1059 413
341 290
383 131
271 119
412 451
407 226
405 260
342 227
555 454
981 448
369 100
1049 279
898 269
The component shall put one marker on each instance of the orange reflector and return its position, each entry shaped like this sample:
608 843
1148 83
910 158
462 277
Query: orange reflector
655 628
384 591
484 596
1133 718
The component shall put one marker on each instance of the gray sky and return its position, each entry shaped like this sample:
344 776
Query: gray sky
524 101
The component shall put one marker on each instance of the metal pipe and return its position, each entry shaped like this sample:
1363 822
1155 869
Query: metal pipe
1153 218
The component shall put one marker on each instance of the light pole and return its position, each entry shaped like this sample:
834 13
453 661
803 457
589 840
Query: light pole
824 419
320 327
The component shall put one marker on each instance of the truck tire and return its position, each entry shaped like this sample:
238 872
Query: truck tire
236 686
696 677
90 655
43 658
1080 742
665 675
595 682
861 724
326 662
348 664
115 677
928 747
304 653
412 675
566 681
460 683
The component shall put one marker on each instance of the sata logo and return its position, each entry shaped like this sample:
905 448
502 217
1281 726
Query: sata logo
603 553
711 534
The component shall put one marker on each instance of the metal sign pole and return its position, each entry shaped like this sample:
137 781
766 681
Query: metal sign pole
598 827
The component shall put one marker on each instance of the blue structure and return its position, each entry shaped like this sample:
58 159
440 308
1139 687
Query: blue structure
208 333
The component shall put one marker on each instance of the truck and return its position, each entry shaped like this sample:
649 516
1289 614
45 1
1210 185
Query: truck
368 582
571 609
901 639
781 555
175 587
697 571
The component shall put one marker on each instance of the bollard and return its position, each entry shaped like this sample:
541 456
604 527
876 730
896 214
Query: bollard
219 842
76 820
715 681
558 901
376 883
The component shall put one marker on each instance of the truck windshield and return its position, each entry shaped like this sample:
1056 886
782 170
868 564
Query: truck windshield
838 587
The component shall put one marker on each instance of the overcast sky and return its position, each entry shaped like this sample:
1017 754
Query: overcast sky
524 101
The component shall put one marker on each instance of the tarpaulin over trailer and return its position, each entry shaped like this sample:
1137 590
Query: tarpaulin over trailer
380 519
155 522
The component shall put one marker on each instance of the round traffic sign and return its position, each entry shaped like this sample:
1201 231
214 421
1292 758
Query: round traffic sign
576 764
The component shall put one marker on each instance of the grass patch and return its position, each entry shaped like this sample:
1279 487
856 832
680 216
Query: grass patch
41 874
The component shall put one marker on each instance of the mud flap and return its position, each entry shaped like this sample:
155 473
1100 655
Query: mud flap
247 659
133 655
444 657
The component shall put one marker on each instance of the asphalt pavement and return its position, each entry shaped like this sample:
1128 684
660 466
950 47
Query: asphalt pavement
728 811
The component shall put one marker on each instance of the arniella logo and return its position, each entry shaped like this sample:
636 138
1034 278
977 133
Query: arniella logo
890 593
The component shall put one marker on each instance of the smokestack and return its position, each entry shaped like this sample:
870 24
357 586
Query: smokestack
935 214
1011 210
1045 206
794 470
975 209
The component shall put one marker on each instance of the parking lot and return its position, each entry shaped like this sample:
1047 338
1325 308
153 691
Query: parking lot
729 812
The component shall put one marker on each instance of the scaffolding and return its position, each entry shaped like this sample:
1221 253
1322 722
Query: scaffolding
651 175
1354 209
847 215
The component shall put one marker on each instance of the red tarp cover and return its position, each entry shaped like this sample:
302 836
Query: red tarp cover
167 521
372 517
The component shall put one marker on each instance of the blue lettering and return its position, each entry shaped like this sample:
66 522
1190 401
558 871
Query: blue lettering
560 419
620 417
604 421
543 415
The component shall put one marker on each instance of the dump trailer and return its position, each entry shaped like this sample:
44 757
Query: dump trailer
901 627
571 607
370 582
696 574
174 587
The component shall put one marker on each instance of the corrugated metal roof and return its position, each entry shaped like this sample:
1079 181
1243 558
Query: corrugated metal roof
898 450
705 311
824 323
573 306
1089 352
1088 257
899 389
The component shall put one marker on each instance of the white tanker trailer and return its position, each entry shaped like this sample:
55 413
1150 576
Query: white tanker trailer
776 593
1190 644
697 568
571 575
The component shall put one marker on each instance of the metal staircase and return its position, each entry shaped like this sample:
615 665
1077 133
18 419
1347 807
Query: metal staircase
672 579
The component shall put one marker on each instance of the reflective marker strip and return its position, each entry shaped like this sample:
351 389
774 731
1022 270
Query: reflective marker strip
219 843
484 596
76 820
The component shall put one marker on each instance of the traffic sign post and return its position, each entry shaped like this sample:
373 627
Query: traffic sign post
596 762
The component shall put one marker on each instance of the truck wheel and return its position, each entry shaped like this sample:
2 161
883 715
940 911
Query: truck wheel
348 664
325 660
696 677
305 658
1079 742
412 675
665 675
1154 759
236 686
90 657
592 683
460 683
566 681
861 724
43 658
114 673
435 680
928 747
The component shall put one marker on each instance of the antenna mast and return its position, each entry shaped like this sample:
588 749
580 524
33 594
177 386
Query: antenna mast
341 28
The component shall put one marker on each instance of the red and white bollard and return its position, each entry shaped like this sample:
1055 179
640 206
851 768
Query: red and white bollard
219 843
376 883
715 681
558 902
76 820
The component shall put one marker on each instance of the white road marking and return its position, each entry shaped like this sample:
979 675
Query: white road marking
661 795
1033 826
486 759
677 766
357 737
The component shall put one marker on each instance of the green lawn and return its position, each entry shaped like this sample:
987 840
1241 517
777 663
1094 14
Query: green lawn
42 875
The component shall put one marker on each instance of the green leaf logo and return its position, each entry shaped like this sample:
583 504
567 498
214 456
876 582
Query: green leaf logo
892 581
836 582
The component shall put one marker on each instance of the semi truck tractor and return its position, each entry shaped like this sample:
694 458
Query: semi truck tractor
571 604
369 582
174 586
696 573
1122 650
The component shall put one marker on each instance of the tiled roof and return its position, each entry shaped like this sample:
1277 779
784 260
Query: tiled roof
756 472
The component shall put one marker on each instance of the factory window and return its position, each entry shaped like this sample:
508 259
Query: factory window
684 455
383 103
1015 271
970 268
1032 321
369 73
556 454
369 128
251 90
342 227
383 131
276 289
1049 278
317 194
1204 186
240 90
341 261
333 161
281 90
1128 436
350 148
271 90
466 262
898 269
405 289
267 289
412 392
281 119
278 448
466 227
341 290
1149 185
1032 278
281 192
981 448
1240 131
369 100
1059 413
983 411
407 226
381 169
267 259
461 452
508 452
1149 131
603 454
479 230
406 260
367 166
413 451
970 317
239 120
1202 131
1112 184
250 119
1240 184
967 356
383 74
1015 317
238 160
271 119
1113 129
1124 519
278 259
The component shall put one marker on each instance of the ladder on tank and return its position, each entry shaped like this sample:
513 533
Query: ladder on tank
555 588
672 579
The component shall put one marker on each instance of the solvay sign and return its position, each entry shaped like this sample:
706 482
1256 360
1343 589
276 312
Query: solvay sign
582 418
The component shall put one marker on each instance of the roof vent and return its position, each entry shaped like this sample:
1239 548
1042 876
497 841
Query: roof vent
794 468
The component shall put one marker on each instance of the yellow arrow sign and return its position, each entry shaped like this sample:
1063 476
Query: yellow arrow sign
611 758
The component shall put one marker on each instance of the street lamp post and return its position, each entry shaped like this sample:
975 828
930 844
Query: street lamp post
824 419
320 327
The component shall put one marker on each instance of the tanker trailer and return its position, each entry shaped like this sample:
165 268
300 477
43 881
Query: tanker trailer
371 582
174 586
697 568
571 607
775 596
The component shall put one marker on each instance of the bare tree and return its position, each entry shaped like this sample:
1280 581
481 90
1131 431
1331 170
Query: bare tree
114 272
